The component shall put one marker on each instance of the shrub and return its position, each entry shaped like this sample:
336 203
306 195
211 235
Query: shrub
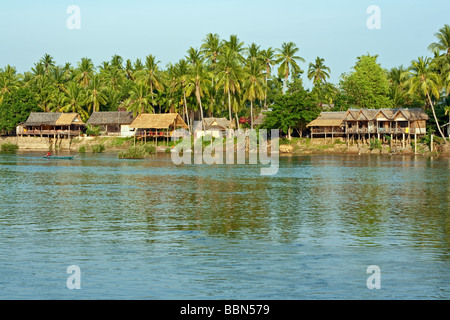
9 147
375 144
137 152
98 148
82 149
149 148
93 130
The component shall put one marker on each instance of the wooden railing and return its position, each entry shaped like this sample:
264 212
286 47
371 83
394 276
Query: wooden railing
51 132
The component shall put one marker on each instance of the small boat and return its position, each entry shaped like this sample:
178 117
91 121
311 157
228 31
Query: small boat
59 158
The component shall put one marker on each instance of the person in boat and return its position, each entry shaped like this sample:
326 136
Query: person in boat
48 155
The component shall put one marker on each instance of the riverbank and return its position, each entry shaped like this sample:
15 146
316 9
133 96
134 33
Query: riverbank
294 146
339 146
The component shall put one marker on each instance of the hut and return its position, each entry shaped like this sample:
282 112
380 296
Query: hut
148 125
116 123
49 124
216 127
329 124
362 124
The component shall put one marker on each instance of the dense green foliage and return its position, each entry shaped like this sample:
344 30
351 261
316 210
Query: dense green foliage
367 86
226 78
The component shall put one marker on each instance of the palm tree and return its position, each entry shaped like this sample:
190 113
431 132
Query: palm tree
194 56
443 43
139 100
9 81
426 82
254 53
116 62
318 71
211 49
47 61
150 76
182 73
75 100
268 57
58 77
235 45
253 84
288 62
199 82
84 72
229 76
95 94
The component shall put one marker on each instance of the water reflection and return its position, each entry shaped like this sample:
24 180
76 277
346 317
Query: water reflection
224 220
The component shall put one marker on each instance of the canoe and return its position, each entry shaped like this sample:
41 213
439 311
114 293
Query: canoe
59 158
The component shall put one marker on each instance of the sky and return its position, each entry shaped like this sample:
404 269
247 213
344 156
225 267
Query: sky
335 30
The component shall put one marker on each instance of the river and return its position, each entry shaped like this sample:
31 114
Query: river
150 229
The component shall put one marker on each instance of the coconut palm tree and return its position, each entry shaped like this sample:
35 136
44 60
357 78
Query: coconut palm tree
84 72
229 76
194 56
268 57
211 49
443 43
9 81
318 72
182 71
75 100
199 83
235 45
95 94
253 84
151 76
426 82
140 100
288 59
48 62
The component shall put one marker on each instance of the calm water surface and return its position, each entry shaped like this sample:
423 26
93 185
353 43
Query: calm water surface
148 229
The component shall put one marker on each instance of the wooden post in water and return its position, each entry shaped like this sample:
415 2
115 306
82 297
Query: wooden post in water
431 143
415 143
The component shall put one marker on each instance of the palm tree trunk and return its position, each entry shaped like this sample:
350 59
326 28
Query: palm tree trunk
435 118
229 108
187 112
251 114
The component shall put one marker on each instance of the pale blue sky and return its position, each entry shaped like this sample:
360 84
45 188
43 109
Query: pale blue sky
334 30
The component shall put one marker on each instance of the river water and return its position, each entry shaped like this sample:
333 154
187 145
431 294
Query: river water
149 229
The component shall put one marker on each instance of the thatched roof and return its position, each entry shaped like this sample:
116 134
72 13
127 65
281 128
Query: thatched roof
329 119
334 119
110 117
158 121
220 123
53 119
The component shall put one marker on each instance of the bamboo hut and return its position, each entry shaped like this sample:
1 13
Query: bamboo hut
364 124
328 124
216 127
48 124
148 125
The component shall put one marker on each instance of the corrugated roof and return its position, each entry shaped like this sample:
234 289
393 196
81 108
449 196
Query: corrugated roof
158 121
